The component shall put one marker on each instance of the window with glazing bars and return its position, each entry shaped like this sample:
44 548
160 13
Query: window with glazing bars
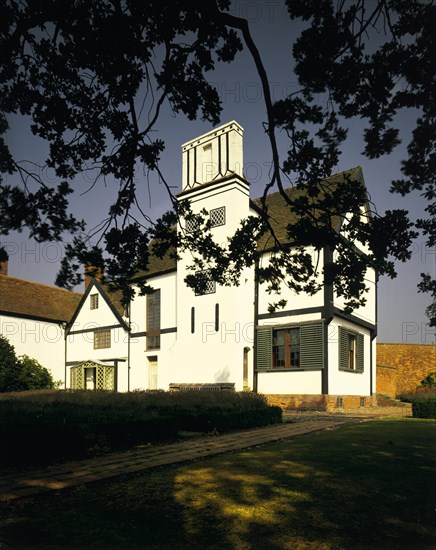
207 285
286 348
94 301
153 320
351 350
217 216
102 339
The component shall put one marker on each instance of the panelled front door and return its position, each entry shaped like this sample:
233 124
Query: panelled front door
152 373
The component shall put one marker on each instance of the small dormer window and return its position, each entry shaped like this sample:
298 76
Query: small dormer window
218 216
94 301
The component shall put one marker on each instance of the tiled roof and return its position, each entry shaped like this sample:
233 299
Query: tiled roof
279 212
280 217
157 265
36 300
115 296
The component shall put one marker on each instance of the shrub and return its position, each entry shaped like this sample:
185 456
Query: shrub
424 406
9 367
226 420
429 381
21 373
34 375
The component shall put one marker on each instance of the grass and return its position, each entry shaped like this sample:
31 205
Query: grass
370 485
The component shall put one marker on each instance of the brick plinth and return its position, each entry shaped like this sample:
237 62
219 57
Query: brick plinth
321 402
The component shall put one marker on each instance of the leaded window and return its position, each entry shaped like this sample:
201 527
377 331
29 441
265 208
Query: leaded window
206 284
217 216
94 301
191 225
153 320
102 339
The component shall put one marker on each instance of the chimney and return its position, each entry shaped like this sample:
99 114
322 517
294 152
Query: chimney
92 272
4 267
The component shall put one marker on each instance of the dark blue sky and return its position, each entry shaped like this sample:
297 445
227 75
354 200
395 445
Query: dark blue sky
400 307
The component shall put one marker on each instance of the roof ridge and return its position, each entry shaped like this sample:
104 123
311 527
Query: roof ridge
53 287
357 167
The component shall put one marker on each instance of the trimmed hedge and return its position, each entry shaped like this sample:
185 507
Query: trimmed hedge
41 427
223 421
424 406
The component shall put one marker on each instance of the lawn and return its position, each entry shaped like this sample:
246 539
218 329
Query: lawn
370 485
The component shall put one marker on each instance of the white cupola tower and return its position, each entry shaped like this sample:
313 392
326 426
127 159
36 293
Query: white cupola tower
212 327
211 156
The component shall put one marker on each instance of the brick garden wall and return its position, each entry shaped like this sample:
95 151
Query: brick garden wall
387 380
411 363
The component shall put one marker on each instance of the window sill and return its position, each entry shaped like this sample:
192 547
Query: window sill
352 370
292 369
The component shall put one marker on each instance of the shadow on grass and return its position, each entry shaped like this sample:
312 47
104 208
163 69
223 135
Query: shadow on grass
365 486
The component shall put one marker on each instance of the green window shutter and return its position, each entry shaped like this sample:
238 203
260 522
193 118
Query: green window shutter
312 346
264 348
359 353
343 349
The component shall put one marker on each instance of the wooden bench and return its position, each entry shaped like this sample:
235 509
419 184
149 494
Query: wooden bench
215 386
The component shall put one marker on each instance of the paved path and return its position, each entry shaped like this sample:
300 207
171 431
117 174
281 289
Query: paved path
78 472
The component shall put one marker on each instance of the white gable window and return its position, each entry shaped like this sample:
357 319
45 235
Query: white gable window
102 339
93 301
218 216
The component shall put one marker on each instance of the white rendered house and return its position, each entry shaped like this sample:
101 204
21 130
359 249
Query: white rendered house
310 354
33 318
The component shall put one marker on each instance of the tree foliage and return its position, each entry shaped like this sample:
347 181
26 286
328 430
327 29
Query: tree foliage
85 91
21 373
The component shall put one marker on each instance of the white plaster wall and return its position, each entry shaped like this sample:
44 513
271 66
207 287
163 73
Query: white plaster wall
80 345
294 300
214 356
365 215
367 312
292 382
290 319
139 373
342 382
208 355
207 156
41 340
139 364
93 318
374 366
167 285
